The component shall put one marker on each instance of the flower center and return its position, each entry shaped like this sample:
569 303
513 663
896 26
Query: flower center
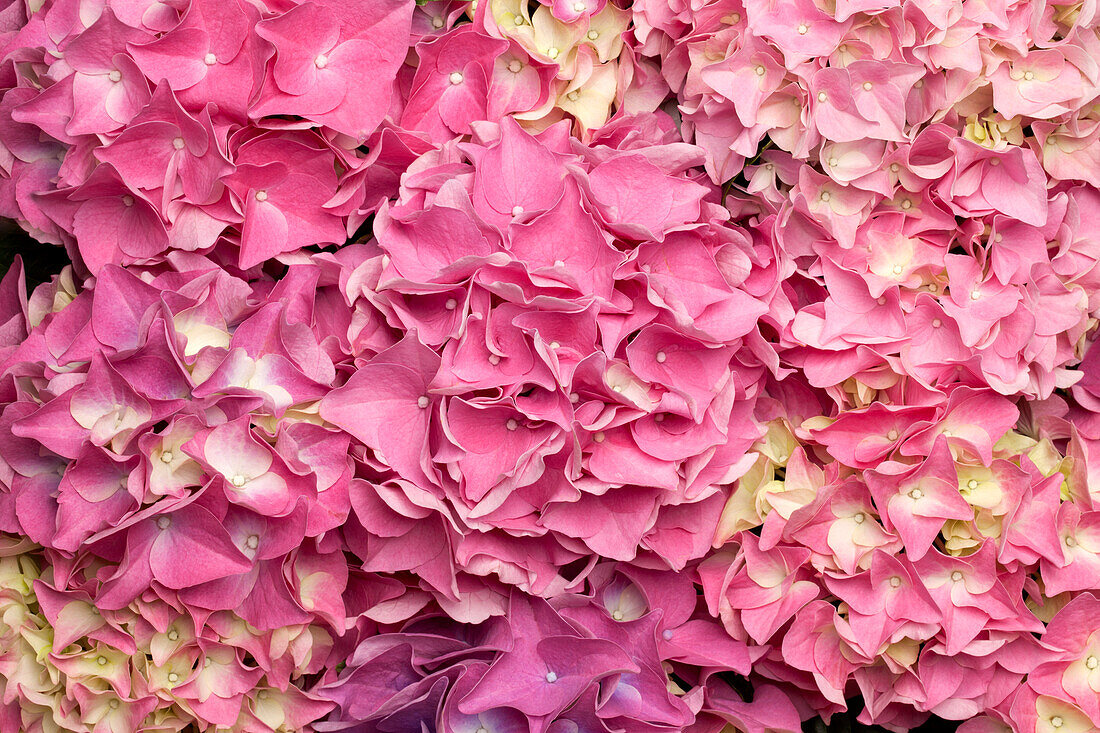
261 195
177 143
166 457
238 480
210 59
252 541
115 75
455 77
1092 662
423 401
321 61
551 677
916 494
956 575
163 522
895 582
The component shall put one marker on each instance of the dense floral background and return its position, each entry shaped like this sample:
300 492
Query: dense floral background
574 366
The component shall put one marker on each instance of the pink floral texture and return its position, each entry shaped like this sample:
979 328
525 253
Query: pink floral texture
595 365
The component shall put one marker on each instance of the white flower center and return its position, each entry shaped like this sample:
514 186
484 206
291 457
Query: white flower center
115 75
661 357
1092 662
494 359
975 294
1057 721
252 541
1028 75
573 96
956 575
892 435
916 494
210 59
177 143
859 518
437 22
515 65
822 96
517 210
173 635
895 582
173 677
593 35
552 52
511 424
451 304
617 615
163 522
867 85
936 323
101 661
760 70
455 77
803 29
321 61
127 200
261 195
599 437
423 401
166 457
579 7
551 677
238 480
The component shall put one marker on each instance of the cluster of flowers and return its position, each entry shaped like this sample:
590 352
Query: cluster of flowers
495 366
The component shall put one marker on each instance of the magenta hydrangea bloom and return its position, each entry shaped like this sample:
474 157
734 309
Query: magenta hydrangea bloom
572 365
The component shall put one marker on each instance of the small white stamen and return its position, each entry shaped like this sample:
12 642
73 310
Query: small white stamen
897 269
113 704
423 401
164 522
261 195
975 294
661 357
803 29
177 143
906 204
916 494
517 210
1057 721
593 35
892 435
173 635
238 480
127 200
895 582
101 661
995 161
936 323
515 65
760 70
321 61
511 424
555 345
825 195
972 484
956 575
252 541
867 85
599 437
437 22
551 677
894 167
552 52
574 397
1028 75
173 677
494 359
115 75
210 59
1092 662
573 96
859 518
1071 542
617 615
822 96
579 7
455 77
166 456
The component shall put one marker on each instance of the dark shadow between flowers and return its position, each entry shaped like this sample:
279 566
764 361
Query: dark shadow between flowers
40 261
